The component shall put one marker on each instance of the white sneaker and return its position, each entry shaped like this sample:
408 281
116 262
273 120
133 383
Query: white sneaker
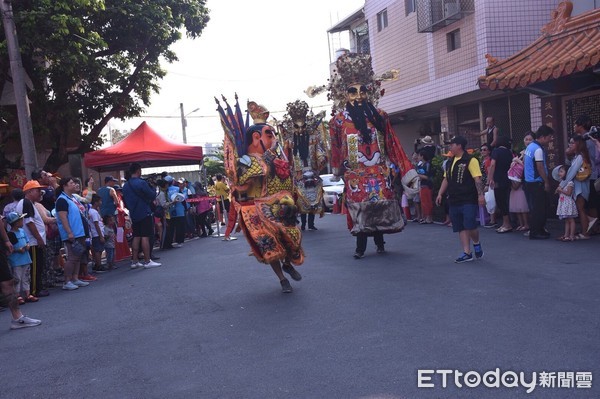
152 264
24 322
69 286
80 283
136 265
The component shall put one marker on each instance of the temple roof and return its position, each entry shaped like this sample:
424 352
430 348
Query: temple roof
567 45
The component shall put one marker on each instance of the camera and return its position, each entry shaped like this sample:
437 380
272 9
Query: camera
592 133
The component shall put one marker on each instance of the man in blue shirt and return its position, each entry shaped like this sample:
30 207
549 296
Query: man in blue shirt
138 196
537 182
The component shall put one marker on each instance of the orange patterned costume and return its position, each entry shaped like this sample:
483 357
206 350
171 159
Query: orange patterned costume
269 220
262 189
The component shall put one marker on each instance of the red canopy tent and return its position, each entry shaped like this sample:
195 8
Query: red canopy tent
146 147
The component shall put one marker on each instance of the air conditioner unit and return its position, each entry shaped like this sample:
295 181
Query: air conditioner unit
451 8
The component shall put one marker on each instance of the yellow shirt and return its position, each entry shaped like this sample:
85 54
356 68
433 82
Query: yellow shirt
473 167
221 190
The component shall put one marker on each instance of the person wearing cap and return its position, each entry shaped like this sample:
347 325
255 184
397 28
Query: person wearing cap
20 259
428 146
49 182
537 182
7 286
138 195
109 196
36 233
462 181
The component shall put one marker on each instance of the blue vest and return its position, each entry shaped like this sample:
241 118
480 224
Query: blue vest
74 217
530 169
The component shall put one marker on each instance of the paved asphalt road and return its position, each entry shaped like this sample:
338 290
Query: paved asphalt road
212 322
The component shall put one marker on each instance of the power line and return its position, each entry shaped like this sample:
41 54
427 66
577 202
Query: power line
211 116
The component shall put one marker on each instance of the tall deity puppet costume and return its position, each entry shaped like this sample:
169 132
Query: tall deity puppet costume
262 189
302 135
364 150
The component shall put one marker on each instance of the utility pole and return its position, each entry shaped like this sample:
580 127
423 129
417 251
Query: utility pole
20 89
183 122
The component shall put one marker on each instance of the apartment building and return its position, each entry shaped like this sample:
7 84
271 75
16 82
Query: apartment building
442 48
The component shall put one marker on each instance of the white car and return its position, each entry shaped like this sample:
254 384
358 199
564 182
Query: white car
331 191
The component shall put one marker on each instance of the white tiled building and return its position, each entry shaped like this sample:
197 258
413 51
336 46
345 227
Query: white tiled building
440 47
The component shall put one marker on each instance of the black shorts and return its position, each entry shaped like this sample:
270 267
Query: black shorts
144 227
5 272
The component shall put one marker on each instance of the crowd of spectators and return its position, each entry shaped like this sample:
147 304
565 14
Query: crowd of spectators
58 236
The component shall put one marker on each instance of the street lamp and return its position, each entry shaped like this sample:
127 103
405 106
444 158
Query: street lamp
183 122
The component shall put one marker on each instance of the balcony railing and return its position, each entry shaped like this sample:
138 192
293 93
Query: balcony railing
436 14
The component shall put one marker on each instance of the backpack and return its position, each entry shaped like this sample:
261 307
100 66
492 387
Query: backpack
584 172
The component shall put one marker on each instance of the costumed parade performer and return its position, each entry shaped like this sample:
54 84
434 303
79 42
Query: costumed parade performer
262 190
364 149
302 134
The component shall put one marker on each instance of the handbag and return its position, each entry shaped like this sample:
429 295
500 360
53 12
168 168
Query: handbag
490 201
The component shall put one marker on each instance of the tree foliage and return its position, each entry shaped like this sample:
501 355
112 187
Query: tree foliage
91 61
214 162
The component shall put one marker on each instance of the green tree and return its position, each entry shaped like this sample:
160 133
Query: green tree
91 61
214 162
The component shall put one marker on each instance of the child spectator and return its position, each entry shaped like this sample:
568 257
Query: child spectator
109 240
97 233
426 191
7 287
566 208
20 260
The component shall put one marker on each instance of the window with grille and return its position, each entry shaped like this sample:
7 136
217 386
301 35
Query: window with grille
433 15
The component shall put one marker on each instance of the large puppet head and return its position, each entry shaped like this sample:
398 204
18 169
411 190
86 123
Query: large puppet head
260 136
353 80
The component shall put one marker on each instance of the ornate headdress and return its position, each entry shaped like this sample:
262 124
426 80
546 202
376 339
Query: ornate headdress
258 112
351 69
297 110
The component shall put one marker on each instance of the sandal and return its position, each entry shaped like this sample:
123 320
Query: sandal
503 229
31 298
568 239
580 236
561 238
21 301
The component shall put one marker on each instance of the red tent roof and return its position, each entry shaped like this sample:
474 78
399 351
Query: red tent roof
145 146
